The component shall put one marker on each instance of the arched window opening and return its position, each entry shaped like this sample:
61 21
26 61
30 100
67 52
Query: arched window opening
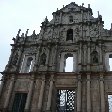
94 57
70 19
68 63
69 35
29 65
110 62
43 59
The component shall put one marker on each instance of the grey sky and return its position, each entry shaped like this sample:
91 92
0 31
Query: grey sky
28 14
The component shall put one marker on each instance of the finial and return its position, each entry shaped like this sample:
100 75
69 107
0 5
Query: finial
98 13
46 20
63 6
82 4
22 35
34 32
88 5
26 33
19 32
111 26
14 39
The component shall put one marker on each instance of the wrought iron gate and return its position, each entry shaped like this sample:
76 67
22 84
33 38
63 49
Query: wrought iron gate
65 100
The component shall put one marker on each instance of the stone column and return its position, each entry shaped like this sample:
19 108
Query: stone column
24 60
48 57
36 65
88 57
80 58
88 17
107 67
28 101
50 94
41 95
100 57
81 15
79 94
88 93
54 60
9 92
60 21
85 53
1 85
102 94
62 63
19 60
85 59
74 63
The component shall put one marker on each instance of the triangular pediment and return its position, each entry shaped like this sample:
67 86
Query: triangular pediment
71 7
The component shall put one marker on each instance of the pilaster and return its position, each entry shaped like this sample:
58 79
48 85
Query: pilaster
88 93
7 100
28 101
41 94
50 94
102 93
79 94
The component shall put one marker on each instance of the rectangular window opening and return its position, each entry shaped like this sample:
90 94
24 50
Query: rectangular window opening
110 63
69 64
19 102
65 101
70 18
110 102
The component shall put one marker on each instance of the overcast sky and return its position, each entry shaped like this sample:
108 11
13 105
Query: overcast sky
28 14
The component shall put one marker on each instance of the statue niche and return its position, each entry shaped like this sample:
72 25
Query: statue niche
43 59
94 57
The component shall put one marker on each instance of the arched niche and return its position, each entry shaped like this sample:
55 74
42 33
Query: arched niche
94 57
43 59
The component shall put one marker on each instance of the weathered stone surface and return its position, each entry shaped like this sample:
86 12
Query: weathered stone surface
37 63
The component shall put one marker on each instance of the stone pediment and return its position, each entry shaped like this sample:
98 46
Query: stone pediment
72 7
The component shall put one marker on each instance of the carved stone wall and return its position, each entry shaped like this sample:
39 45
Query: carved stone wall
91 79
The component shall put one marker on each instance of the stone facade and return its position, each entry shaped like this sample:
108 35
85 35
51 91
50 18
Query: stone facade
36 65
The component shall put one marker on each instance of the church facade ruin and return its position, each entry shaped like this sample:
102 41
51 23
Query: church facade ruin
35 79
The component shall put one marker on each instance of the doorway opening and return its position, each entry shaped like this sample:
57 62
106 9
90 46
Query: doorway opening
65 101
